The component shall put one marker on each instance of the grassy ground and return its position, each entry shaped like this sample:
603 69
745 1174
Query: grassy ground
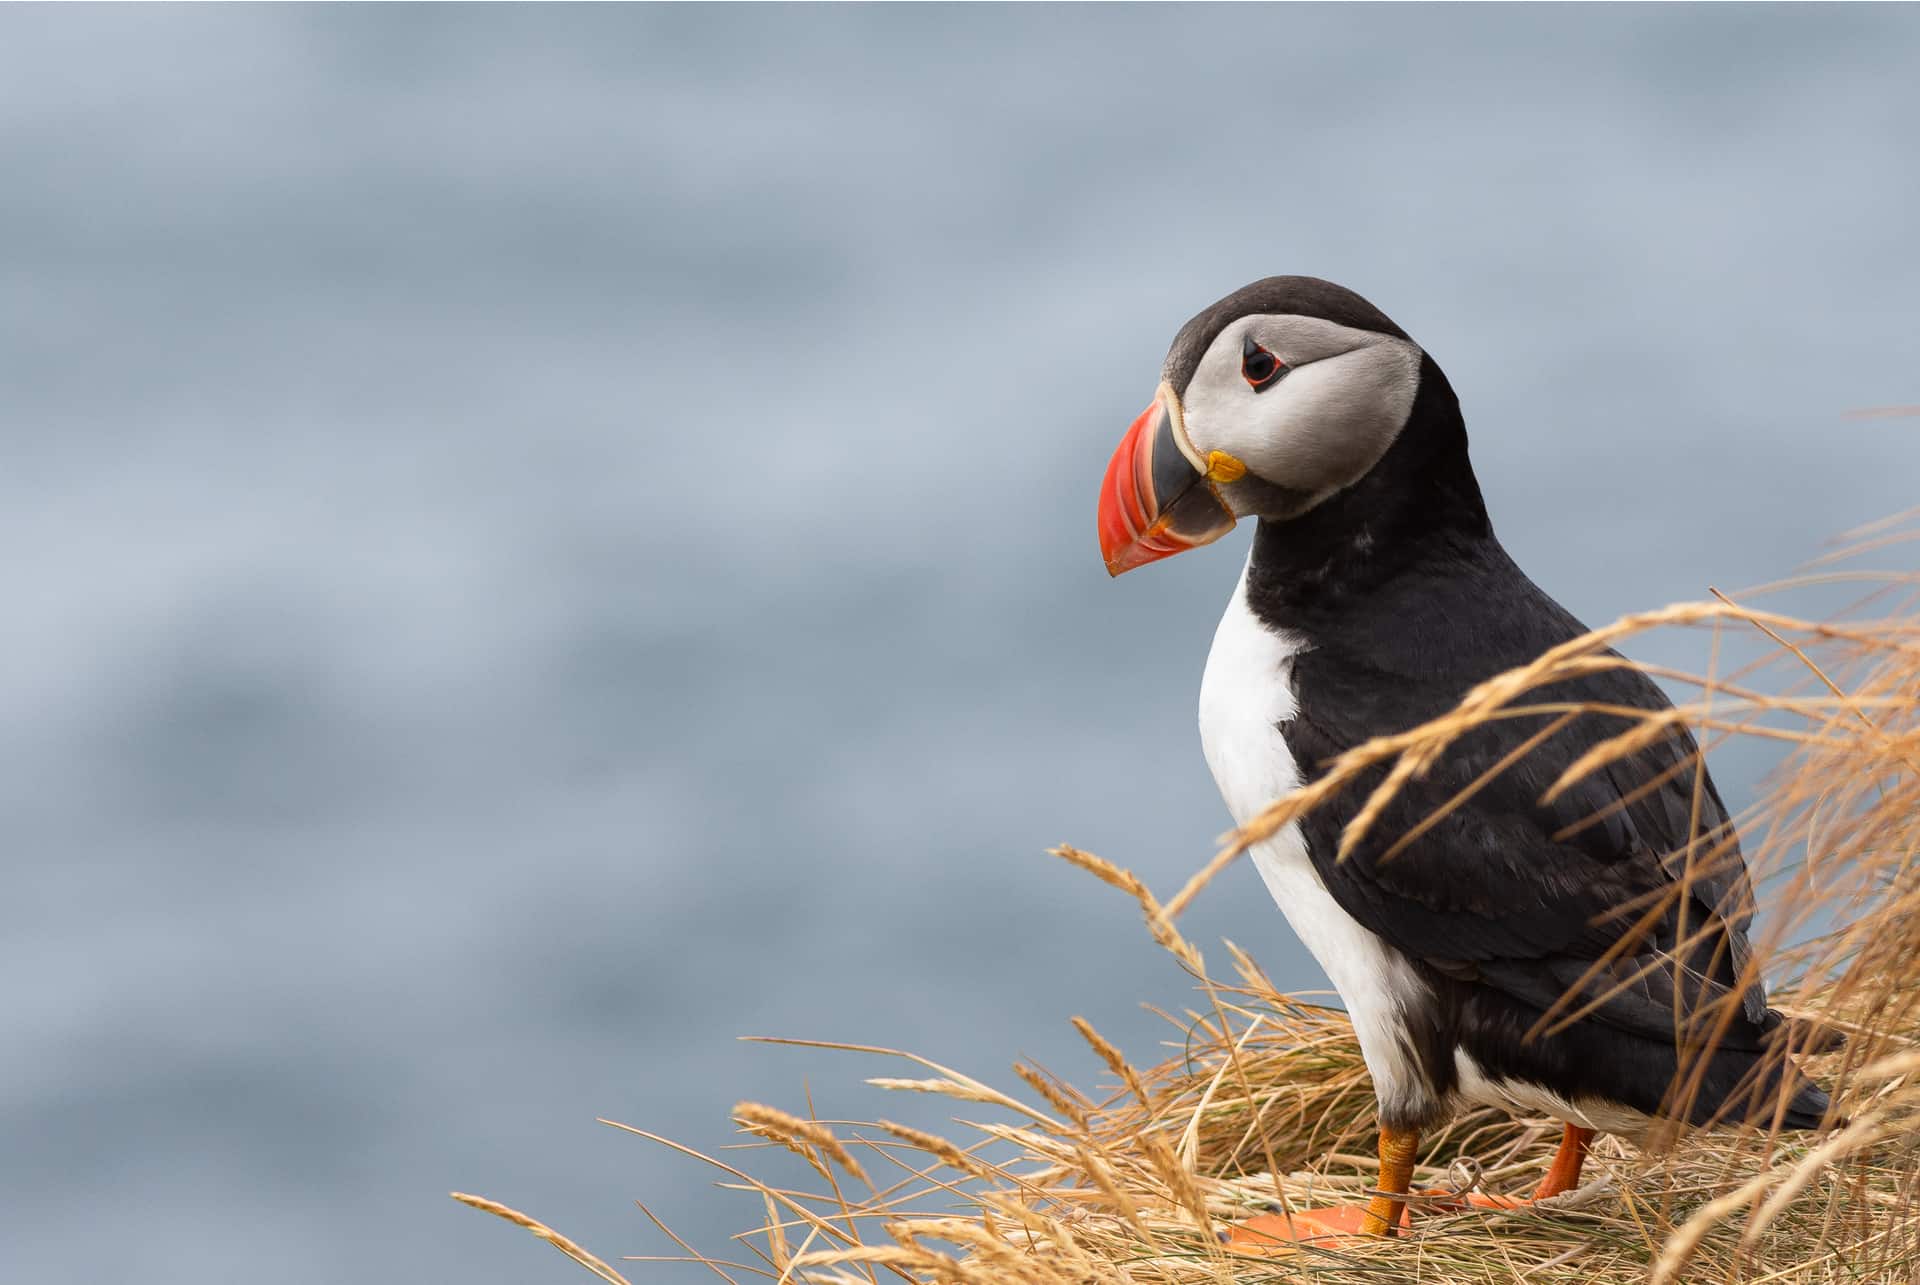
1269 1106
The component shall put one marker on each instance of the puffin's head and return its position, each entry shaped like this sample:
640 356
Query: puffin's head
1272 400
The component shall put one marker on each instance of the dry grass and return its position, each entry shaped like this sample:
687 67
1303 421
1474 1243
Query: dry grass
1270 1107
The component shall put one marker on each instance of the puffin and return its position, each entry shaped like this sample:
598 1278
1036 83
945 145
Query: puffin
1583 956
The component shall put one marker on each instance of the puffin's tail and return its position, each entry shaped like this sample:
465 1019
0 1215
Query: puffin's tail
1758 1089
1809 1108
1808 1034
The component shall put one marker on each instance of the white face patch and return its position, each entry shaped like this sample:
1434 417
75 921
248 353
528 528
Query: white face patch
1321 426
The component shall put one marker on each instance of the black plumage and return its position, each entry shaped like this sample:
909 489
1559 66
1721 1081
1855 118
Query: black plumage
1404 600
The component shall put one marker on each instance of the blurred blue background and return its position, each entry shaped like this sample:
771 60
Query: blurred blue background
541 541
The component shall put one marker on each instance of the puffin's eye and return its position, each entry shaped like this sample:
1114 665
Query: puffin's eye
1259 367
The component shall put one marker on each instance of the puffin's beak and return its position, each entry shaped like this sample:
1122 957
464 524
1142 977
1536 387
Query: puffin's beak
1154 503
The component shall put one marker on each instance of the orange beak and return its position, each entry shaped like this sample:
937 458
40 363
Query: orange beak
1154 503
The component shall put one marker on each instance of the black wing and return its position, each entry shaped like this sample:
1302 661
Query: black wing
1506 890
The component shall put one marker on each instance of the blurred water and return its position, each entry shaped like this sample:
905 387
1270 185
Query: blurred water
542 541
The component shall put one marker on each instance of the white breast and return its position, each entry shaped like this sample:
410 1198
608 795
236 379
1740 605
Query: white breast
1246 699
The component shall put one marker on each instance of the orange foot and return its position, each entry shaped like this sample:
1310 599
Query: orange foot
1326 1228
1339 1226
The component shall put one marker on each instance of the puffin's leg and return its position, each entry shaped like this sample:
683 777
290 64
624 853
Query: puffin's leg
1381 1216
1563 1175
1384 1211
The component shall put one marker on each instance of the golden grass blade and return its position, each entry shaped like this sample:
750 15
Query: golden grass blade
979 1091
1115 1060
798 1134
545 1233
713 1265
1073 1108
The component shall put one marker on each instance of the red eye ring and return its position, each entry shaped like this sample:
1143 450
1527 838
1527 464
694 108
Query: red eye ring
1259 367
